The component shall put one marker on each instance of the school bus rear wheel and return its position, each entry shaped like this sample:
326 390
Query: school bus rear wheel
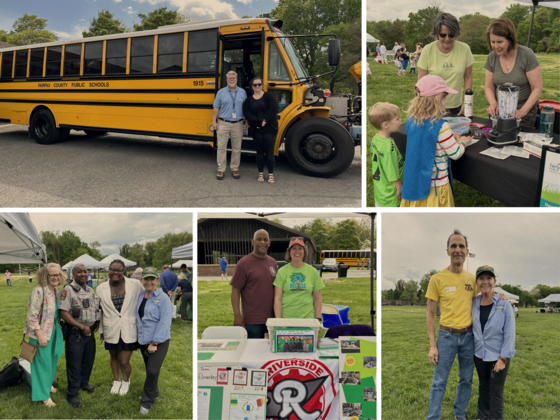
44 129
320 147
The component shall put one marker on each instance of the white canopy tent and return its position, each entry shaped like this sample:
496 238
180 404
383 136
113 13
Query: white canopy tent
550 298
110 258
509 296
183 251
176 264
19 240
68 265
88 261
535 3
370 38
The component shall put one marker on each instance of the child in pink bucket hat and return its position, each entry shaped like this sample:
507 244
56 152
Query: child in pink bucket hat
430 144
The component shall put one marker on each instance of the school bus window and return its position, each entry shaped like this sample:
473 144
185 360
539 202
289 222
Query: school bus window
276 68
170 53
93 55
54 56
142 55
115 61
201 51
283 97
36 62
256 62
72 58
21 63
7 62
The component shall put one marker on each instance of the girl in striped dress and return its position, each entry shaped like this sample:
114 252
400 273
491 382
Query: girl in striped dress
430 145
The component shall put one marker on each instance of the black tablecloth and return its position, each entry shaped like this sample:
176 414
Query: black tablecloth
512 181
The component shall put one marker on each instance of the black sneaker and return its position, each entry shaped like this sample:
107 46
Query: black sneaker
75 402
89 389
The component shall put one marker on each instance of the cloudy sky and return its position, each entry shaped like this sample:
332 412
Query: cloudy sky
68 18
399 9
523 248
114 229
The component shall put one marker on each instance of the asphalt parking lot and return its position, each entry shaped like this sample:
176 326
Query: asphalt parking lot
119 170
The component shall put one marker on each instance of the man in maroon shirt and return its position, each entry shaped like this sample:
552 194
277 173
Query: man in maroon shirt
253 280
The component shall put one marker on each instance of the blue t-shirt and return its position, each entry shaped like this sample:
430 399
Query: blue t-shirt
225 99
223 264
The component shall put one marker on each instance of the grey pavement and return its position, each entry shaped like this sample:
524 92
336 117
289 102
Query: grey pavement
119 170
326 275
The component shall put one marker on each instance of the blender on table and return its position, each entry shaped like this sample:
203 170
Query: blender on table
506 128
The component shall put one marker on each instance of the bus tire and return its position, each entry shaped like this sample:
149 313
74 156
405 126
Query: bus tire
95 133
319 147
44 129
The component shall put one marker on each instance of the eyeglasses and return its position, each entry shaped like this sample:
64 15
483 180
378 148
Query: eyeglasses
257 84
54 275
294 238
116 270
443 36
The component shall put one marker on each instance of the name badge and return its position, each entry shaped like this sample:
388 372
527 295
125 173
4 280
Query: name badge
155 301
499 307
233 115
450 289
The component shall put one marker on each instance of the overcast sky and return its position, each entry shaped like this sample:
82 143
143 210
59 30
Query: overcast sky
114 229
523 248
68 18
399 9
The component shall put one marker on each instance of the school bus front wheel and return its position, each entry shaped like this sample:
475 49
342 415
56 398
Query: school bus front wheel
43 127
320 147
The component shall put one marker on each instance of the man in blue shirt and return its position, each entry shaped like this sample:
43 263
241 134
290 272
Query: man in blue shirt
228 122
168 280
223 267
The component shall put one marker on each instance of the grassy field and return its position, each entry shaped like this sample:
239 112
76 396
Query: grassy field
175 381
531 390
386 86
214 304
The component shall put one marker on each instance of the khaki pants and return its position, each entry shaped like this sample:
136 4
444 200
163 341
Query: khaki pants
227 130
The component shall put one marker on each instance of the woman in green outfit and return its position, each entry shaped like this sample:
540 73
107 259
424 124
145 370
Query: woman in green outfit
297 291
43 329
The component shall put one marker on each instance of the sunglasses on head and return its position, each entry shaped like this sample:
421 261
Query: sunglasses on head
257 84
443 36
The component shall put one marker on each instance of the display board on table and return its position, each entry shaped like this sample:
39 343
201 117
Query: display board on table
234 394
358 367
549 177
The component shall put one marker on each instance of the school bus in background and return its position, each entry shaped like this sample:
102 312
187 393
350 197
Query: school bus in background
163 83
348 257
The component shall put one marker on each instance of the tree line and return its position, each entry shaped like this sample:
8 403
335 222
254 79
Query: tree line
545 35
415 291
63 247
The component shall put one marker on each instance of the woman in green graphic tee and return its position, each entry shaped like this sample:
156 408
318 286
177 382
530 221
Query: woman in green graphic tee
297 286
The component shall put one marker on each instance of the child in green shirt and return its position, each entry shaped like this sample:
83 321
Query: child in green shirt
387 164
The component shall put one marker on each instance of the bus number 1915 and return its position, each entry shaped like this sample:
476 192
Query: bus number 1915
198 82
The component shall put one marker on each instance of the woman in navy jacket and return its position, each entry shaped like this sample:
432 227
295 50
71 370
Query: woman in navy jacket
494 344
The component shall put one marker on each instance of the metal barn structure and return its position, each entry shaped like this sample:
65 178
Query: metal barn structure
232 237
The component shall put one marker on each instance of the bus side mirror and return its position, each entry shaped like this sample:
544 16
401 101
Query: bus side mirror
334 52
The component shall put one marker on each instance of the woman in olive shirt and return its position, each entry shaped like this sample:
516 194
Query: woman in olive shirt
512 63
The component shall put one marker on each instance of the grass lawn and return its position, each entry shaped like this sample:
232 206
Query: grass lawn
214 303
531 390
175 381
386 86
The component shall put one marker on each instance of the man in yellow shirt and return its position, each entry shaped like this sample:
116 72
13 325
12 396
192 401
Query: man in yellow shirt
455 290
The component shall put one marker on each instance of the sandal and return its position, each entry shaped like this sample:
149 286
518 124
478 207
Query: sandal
220 176
260 178
53 390
49 403
271 179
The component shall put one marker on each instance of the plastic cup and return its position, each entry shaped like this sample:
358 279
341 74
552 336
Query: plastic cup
494 119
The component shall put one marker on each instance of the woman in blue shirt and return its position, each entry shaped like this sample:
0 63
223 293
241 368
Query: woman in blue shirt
154 333
494 344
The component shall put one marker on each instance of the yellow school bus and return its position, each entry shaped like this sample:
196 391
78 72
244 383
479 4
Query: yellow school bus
163 83
348 257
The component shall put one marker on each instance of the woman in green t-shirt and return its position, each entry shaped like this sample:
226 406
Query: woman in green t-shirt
512 63
297 286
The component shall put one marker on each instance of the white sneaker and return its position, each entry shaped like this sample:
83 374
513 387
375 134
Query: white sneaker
144 410
124 387
116 387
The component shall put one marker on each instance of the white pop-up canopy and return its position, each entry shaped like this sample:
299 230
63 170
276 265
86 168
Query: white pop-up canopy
550 298
110 258
370 38
88 261
183 251
189 263
509 296
19 241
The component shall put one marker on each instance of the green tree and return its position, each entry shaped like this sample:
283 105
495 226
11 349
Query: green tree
277 220
159 17
164 245
138 254
517 13
424 282
410 291
344 235
420 25
105 24
389 32
30 29
473 32
319 230
399 289
523 34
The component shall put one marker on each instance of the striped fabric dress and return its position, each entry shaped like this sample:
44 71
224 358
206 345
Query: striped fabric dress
447 147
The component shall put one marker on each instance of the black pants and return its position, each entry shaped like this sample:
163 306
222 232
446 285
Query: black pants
185 298
264 143
490 390
453 111
80 356
153 364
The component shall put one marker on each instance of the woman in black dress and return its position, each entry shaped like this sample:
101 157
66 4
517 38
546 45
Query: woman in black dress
260 111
